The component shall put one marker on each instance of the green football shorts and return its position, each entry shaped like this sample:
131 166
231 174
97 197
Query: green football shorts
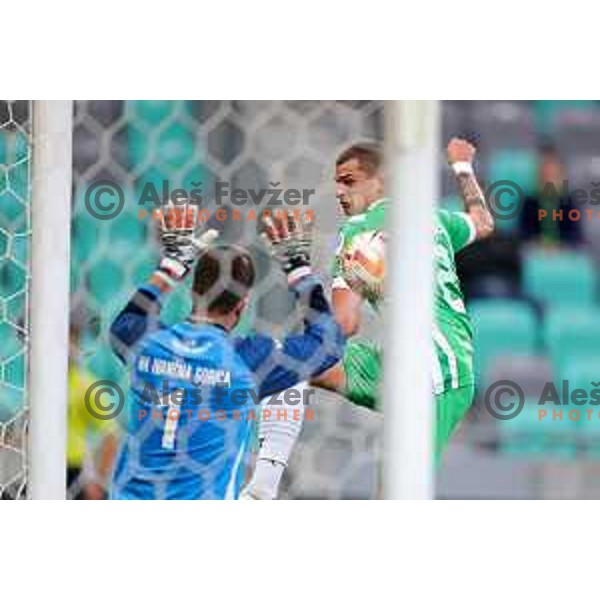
364 369
451 406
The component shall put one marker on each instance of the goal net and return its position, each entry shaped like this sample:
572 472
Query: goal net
15 238
119 149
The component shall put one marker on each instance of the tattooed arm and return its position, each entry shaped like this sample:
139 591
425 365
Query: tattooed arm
460 157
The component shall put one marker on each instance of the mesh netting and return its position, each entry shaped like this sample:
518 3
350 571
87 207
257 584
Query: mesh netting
248 145
131 145
15 234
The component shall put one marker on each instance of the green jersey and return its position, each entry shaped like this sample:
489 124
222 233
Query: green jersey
373 219
452 333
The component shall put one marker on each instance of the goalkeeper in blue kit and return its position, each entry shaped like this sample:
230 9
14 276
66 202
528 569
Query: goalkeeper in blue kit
193 384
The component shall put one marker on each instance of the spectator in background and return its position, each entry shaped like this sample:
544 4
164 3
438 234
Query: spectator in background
92 443
550 196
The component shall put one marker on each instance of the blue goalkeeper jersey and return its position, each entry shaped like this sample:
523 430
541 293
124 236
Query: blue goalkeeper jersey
195 394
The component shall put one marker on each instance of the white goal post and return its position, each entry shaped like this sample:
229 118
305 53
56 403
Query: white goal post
411 149
49 305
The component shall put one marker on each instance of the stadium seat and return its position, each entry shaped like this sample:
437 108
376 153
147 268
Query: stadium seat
14 371
578 133
177 307
103 364
581 372
518 165
11 401
151 112
85 233
503 124
537 434
105 279
129 228
548 112
559 278
502 327
530 373
571 333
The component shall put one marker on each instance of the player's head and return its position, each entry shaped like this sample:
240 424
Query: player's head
222 280
359 178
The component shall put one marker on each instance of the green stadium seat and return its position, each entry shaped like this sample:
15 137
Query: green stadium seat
129 228
105 279
4 160
14 371
85 231
518 166
11 401
103 364
547 112
151 112
502 327
178 306
581 372
571 333
560 278
534 434
522 435
175 147
13 217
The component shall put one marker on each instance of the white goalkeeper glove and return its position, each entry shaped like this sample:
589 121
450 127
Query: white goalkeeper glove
181 241
290 243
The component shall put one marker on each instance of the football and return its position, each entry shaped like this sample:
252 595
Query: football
363 263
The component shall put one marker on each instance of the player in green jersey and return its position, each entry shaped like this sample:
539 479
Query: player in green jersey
358 376
360 192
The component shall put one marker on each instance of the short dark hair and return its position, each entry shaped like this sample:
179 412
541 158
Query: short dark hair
368 155
222 277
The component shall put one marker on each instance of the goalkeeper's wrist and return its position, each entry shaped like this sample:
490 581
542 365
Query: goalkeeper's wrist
171 271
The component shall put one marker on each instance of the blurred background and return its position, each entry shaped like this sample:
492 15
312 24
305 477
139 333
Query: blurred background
532 289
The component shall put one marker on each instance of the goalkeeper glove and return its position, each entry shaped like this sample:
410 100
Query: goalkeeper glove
290 243
181 242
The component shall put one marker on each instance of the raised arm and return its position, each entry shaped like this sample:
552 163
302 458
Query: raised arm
180 245
460 157
298 357
319 346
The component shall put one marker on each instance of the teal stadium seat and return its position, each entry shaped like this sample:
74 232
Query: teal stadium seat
571 333
103 364
547 112
105 279
582 372
536 435
85 231
518 166
563 278
502 327
128 228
